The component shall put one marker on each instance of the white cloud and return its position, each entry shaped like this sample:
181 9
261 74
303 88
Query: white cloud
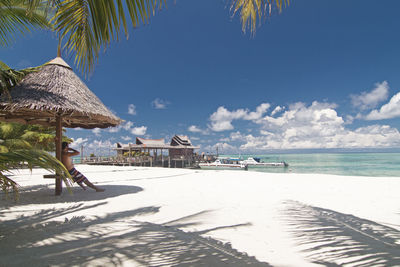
131 109
221 120
194 129
236 136
349 119
376 136
371 136
100 144
224 139
222 148
159 103
219 126
126 126
277 110
302 126
260 110
316 126
139 130
264 132
126 138
78 142
96 131
99 147
387 111
114 129
367 100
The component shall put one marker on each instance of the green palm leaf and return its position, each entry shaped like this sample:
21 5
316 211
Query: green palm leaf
91 25
18 16
10 77
33 158
12 144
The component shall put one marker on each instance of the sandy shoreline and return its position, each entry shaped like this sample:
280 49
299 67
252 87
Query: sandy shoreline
170 217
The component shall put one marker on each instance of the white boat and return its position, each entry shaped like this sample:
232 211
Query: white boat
224 164
256 162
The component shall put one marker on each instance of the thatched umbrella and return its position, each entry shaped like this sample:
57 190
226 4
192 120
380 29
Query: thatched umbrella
55 96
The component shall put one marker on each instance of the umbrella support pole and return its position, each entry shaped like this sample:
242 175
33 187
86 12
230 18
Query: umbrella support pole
58 143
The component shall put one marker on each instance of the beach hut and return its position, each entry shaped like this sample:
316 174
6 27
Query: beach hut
181 147
55 96
143 145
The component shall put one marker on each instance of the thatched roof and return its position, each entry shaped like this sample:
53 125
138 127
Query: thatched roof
56 90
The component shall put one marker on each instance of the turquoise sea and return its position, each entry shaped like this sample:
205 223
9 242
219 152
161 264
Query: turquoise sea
355 164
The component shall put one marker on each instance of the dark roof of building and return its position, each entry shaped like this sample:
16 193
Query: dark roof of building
180 140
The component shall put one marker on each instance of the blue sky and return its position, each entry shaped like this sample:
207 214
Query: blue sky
320 75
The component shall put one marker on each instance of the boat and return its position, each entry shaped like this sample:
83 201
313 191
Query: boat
224 164
256 162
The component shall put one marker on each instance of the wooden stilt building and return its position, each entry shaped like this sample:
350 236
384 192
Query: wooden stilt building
150 152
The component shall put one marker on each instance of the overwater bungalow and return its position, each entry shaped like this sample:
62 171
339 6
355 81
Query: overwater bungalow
152 151
181 146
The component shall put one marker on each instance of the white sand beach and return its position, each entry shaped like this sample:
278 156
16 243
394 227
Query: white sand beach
181 217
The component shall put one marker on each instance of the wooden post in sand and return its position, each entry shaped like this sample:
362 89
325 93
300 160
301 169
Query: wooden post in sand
81 154
130 155
58 143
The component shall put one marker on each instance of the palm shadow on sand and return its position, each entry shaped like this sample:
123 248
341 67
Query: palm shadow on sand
44 194
116 239
333 238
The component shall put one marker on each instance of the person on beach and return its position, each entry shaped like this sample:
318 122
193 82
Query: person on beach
78 177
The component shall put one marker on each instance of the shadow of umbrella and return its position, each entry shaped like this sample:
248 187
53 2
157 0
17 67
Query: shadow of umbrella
55 96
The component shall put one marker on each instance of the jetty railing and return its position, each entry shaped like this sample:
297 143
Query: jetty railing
145 161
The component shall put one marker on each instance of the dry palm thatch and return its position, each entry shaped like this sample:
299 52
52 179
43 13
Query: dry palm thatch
55 90
55 96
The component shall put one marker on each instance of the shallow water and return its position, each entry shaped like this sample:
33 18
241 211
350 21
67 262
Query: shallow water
355 164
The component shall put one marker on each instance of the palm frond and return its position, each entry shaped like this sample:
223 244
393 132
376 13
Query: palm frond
17 136
19 17
252 11
12 144
33 158
10 77
91 25
6 184
6 130
39 139
3 149
330 238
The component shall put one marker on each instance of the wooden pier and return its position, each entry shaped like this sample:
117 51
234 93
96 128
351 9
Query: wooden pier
151 153
146 161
